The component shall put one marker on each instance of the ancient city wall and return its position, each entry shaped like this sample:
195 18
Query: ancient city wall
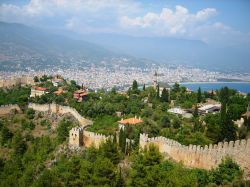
6 109
206 157
91 138
59 109
23 80
76 137
79 137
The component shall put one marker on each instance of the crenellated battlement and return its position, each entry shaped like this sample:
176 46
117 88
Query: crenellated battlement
95 135
206 157
79 137
59 109
94 139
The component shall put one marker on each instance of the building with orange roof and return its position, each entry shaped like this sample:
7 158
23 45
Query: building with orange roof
129 121
79 95
37 91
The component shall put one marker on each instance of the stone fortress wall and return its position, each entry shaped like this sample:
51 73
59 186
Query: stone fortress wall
14 81
59 109
77 136
91 138
206 157
6 109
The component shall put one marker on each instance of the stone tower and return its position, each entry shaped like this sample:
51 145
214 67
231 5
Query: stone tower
76 137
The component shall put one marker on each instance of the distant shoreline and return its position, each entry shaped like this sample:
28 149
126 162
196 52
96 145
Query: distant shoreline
235 82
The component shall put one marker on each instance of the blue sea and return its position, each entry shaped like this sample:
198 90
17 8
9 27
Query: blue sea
240 86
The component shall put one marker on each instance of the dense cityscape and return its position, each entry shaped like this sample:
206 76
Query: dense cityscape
121 77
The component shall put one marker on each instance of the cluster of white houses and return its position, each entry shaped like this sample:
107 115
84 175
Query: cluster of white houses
203 109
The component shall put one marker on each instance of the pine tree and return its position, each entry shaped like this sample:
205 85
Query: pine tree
120 181
176 87
110 150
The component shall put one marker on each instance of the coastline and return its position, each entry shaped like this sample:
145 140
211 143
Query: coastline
216 82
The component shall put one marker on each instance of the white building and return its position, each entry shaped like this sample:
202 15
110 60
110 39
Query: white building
181 112
209 108
37 91
176 110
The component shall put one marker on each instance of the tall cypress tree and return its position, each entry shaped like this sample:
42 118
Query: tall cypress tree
122 140
228 129
199 96
164 95
135 85
196 113
158 91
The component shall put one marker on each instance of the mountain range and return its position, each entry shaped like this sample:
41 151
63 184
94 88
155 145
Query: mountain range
166 50
23 47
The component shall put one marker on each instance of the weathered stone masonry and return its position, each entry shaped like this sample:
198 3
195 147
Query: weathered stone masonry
6 109
77 136
206 157
59 109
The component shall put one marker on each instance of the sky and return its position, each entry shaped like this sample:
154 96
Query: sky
216 22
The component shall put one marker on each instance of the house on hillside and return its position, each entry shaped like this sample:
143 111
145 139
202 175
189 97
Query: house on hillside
130 121
180 111
56 81
80 95
209 108
189 91
37 91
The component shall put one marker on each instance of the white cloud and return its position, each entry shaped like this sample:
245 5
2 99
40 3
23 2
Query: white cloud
59 13
169 22
121 16
55 7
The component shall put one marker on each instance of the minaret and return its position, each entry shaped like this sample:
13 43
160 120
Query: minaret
155 80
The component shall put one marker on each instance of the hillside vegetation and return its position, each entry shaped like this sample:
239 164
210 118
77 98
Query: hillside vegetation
34 151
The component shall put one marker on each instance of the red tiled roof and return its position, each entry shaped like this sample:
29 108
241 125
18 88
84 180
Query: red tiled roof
80 93
130 121
39 88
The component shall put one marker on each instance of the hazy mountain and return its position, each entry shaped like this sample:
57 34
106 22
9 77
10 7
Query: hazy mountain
22 46
176 51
